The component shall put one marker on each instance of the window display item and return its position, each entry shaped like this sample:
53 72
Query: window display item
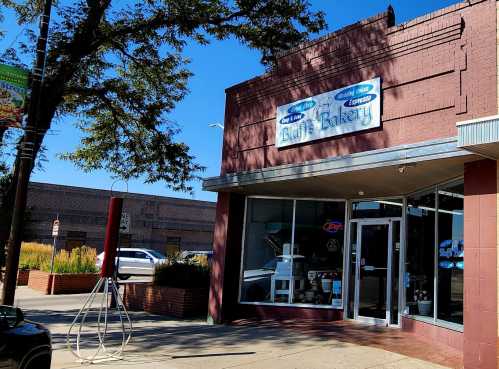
327 284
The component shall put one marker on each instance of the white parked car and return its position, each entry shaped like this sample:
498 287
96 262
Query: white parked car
135 261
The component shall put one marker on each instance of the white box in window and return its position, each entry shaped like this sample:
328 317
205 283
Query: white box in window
283 268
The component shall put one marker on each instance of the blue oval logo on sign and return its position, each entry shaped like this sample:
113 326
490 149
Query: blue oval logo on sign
361 100
291 118
354 91
301 107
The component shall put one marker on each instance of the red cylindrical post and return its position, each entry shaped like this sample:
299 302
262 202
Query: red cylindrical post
112 235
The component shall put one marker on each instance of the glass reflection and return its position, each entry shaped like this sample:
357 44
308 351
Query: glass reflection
419 269
450 253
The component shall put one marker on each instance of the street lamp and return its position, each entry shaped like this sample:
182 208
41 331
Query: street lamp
216 125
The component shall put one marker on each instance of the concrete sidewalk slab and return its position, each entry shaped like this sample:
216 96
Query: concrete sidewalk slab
159 342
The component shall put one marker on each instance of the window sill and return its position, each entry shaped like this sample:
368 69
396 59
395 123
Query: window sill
439 323
282 304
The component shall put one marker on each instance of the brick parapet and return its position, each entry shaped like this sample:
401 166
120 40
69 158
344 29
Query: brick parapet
436 70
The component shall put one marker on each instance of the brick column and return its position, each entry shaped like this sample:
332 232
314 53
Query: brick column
480 271
227 236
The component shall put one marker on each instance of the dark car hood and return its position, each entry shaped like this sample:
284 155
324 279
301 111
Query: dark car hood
28 327
30 333
19 343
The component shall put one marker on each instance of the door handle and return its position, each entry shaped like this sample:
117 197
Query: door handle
369 268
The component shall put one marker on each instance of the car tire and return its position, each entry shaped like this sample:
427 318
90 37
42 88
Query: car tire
40 360
124 277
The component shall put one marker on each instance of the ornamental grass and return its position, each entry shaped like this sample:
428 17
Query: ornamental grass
34 255
79 260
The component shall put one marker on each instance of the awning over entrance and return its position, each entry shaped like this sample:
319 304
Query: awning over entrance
480 136
386 172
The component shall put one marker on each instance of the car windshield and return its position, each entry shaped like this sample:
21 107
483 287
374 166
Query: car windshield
156 254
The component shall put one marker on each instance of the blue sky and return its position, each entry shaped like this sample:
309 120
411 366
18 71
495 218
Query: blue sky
215 68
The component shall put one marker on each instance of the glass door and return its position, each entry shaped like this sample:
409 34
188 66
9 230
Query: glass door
373 272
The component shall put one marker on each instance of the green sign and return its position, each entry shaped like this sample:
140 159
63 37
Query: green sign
13 89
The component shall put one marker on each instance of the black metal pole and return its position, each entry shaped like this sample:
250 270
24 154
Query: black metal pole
26 161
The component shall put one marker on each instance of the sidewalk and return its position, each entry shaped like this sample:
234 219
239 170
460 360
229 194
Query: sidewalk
159 342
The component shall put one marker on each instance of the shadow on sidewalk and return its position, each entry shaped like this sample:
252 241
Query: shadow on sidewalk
389 339
195 339
152 332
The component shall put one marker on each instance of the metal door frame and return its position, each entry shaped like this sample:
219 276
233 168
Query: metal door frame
360 224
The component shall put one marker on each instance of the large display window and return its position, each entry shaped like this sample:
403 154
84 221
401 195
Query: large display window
420 254
268 231
450 253
319 236
293 252
435 254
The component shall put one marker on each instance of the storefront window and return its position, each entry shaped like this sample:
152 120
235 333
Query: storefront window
294 252
435 257
304 268
420 255
268 231
318 252
450 253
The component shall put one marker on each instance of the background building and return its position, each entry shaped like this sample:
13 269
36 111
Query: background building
162 223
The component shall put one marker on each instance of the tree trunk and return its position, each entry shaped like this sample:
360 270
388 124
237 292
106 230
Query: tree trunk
6 209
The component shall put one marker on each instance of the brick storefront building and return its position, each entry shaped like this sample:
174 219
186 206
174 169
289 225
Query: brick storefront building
359 181
161 223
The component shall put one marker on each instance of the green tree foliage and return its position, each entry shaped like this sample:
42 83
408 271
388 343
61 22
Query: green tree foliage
118 68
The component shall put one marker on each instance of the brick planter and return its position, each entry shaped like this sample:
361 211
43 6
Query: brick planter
73 283
177 302
22 277
54 284
40 281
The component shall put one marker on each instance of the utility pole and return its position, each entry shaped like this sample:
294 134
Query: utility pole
26 161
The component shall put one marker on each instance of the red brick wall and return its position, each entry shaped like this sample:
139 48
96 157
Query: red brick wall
433 333
40 281
225 267
73 283
56 284
480 257
264 312
218 260
436 70
177 302
134 296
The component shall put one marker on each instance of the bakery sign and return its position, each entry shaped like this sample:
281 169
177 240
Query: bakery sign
349 109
